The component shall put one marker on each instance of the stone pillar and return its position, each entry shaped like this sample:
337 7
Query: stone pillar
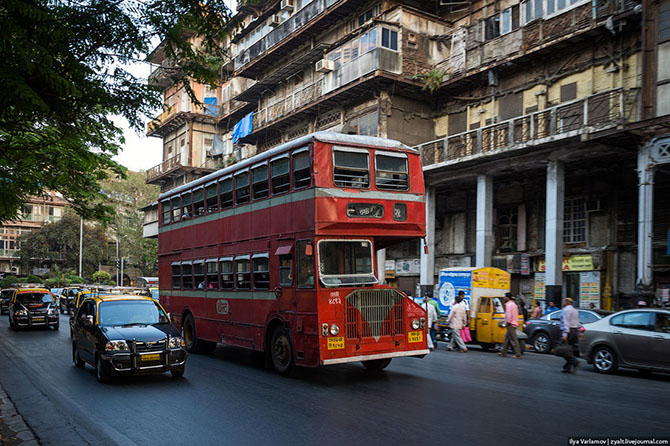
484 221
427 279
645 171
554 231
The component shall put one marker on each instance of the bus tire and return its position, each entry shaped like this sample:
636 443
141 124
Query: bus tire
281 351
376 364
191 341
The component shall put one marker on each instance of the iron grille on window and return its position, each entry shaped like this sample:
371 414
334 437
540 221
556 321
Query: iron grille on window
506 229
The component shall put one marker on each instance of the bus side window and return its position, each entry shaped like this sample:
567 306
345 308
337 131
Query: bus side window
212 274
199 201
301 174
281 176
187 277
259 179
226 269
176 208
286 270
242 188
186 206
165 209
212 203
242 274
226 186
199 274
305 251
261 275
176 275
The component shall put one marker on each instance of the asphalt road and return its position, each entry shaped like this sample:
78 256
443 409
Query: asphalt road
226 398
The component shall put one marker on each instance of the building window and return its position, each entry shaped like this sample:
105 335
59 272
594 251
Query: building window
506 229
537 9
574 221
501 24
353 49
364 124
390 39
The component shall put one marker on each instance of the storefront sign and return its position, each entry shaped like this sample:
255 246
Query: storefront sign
539 292
389 269
410 267
525 264
572 263
490 278
589 289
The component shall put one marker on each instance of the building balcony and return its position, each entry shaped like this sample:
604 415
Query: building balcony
174 167
10 253
577 120
281 42
176 116
163 76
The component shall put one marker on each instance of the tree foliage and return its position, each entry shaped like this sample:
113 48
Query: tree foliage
58 243
62 77
101 277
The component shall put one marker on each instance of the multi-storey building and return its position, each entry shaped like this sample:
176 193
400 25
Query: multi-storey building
36 212
533 118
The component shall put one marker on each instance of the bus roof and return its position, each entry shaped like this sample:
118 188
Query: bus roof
327 137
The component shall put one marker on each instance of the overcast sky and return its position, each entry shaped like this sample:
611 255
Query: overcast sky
140 152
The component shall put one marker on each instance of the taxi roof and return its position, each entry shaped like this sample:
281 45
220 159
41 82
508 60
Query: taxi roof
32 290
119 297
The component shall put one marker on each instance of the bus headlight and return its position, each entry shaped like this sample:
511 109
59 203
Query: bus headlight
334 329
415 324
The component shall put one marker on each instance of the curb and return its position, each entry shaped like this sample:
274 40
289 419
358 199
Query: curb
13 428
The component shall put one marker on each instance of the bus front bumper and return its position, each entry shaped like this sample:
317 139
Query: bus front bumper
413 353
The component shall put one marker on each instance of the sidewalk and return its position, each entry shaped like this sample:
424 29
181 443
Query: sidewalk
13 430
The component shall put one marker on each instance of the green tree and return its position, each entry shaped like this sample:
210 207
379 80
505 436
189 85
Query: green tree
62 76
58 243
101 277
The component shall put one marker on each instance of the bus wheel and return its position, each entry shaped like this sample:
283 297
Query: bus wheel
281 351
192 343
377 364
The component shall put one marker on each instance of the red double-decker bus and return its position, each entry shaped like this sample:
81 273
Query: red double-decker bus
278 253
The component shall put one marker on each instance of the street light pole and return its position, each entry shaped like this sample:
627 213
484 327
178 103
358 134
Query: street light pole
117 258
81 239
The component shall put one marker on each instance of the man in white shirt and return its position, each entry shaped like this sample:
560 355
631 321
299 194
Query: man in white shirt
432 319
458 319
570 334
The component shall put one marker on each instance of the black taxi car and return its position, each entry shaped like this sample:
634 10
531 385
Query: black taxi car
126 335
67 297
33 307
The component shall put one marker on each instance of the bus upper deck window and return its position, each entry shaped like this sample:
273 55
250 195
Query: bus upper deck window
351 168
301 170
165 208
242 188
176 208
391 171
199 201
186 205
212 203
281 176
259 179
226 191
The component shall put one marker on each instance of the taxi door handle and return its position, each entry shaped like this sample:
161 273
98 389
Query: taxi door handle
616 332
659 338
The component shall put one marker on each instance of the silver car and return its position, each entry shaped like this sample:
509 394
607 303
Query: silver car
638 339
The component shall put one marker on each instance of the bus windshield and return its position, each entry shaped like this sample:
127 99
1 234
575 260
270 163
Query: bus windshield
346 262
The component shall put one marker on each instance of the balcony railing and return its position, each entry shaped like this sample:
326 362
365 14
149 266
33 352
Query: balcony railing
290 103
282 32
596 112
10 253
162 76
164 167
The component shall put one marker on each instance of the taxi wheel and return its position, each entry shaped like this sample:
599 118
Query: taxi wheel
102 371
281 351
377 364
78 362
177 373
56 327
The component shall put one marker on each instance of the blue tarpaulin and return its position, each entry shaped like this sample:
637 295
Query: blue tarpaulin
243 128
211 106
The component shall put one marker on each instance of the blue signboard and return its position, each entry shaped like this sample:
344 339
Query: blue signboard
451 282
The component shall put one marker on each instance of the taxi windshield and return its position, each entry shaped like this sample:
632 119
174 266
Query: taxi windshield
34 298
346 262
130 313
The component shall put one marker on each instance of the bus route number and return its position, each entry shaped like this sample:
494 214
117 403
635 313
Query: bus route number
222 306
334 298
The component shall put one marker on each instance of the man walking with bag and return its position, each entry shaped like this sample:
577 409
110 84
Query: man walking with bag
511 323
570 335
458 319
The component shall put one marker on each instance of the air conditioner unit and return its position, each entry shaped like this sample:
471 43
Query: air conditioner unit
275 20
593 205
287 5
325 66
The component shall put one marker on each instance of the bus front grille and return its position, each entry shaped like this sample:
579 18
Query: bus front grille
375 313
